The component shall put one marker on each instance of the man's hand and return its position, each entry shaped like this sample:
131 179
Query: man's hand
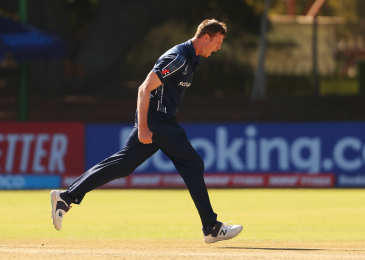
145 135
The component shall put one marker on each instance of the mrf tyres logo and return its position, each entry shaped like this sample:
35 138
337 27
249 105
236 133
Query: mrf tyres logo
252 152
32 153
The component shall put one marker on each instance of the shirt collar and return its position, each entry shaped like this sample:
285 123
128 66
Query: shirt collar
196 59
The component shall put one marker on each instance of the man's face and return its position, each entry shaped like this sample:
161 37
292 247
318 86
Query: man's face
211 44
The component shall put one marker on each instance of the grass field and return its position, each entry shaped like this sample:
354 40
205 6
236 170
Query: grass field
164 224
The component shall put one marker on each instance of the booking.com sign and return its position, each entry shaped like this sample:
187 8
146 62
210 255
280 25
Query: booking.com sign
299 147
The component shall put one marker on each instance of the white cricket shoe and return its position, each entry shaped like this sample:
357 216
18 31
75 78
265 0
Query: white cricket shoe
221 231
59 209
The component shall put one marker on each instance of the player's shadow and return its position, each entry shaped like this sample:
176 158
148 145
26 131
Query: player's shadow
289 249
271 248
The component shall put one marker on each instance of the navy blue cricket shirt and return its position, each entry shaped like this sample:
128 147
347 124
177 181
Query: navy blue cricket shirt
175 70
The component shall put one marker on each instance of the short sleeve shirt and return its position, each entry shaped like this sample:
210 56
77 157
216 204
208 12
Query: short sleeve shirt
175 70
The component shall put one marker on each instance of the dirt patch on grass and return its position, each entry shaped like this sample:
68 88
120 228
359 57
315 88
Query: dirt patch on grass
175 249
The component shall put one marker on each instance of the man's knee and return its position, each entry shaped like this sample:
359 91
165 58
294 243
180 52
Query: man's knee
199 166
117 169
124 170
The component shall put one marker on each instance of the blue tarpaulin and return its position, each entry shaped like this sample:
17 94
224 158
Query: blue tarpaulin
27 42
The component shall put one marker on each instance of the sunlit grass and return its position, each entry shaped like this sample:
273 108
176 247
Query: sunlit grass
266 214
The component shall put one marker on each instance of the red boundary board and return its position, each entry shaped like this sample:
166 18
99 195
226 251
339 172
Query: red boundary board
226 180
56 148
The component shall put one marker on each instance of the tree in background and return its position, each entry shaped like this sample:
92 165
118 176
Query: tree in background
100 34
348 9
120 25
112 44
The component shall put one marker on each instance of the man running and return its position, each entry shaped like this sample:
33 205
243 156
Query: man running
156 128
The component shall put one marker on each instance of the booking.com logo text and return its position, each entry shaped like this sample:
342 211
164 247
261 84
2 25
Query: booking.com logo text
252 152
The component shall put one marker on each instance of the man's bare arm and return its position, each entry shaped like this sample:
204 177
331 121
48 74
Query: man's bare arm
151 82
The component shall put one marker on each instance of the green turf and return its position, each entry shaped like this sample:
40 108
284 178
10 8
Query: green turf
266 214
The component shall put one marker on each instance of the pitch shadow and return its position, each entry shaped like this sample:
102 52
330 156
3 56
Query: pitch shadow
268 248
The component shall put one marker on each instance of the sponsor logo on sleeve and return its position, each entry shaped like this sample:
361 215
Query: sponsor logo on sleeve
175 64
165 71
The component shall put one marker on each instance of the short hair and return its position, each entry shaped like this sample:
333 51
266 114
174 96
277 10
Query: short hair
211 27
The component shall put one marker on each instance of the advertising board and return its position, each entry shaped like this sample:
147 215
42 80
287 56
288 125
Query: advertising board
302 147
290 150
36 155
223 180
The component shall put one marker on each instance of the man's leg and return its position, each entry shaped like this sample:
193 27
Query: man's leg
176 146
118 165
174 143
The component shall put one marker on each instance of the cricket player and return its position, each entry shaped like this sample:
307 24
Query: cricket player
156 128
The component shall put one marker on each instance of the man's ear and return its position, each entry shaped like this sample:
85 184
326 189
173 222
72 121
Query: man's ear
206 37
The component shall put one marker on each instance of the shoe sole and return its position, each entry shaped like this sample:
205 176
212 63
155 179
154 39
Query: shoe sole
225 238
53 197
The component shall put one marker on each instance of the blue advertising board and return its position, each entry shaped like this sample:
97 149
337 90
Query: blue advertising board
309 148
21 181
